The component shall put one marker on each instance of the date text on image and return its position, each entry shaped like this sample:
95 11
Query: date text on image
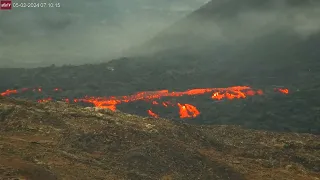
5 5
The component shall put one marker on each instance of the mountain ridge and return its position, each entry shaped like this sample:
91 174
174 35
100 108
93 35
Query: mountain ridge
233 23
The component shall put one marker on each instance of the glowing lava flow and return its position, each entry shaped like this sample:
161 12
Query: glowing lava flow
282 90
9 92
185 110
151 113
188 111
236 92
15 91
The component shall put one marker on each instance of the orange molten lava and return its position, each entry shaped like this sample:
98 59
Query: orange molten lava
283 90
218 93
152 114
185 110
188 111
44 100
9 92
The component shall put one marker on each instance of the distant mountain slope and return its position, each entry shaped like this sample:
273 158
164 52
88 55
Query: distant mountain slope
232 22
60 141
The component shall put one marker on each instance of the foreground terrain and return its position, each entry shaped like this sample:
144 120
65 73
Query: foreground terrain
64 141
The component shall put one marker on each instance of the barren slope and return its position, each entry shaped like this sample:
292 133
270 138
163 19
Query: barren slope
61 141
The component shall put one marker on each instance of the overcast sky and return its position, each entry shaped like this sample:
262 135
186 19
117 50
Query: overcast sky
84 31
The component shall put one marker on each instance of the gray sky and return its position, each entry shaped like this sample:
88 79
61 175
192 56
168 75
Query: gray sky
91 31
83 31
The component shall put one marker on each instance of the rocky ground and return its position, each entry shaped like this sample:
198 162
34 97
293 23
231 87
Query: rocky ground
64 141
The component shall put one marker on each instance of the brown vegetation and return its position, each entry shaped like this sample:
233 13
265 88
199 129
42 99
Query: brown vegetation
62 141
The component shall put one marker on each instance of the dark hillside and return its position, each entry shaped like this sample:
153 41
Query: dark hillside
60 141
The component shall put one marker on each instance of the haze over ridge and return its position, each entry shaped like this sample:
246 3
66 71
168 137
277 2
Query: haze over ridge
83 32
